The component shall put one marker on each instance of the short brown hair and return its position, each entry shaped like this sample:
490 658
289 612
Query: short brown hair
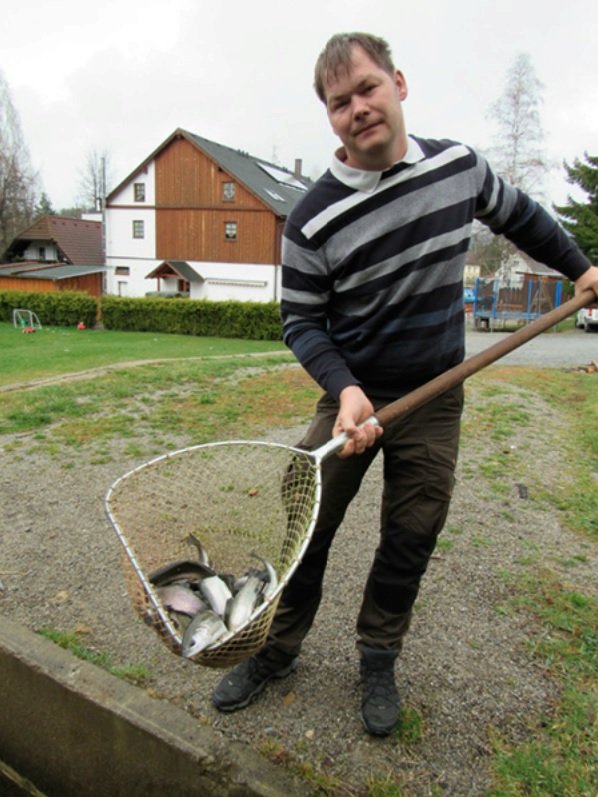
337 56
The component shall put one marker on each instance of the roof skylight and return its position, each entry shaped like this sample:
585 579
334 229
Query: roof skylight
282 177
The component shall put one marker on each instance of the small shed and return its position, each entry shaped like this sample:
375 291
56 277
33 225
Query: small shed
51 277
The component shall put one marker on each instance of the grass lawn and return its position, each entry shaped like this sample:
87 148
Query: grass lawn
62 350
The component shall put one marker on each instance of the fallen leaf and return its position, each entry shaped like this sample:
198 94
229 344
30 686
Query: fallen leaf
289 698
82 628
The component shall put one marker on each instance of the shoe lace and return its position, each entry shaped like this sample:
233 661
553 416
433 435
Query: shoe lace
257 669
379 685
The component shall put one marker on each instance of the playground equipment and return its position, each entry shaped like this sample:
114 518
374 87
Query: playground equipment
26 320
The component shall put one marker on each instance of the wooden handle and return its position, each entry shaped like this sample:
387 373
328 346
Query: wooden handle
454 376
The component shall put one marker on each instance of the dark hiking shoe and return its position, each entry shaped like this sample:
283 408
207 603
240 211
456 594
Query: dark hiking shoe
380 701
245 682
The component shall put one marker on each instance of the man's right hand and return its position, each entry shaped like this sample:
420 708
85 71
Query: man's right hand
355 408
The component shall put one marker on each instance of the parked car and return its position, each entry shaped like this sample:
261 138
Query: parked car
587 318
468 295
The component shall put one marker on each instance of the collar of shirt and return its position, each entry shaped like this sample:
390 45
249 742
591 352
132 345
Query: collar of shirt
367 181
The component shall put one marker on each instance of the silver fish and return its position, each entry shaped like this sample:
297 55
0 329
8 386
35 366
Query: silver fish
181 599
202 554
271 577
245 601
216 592
205 629
183 570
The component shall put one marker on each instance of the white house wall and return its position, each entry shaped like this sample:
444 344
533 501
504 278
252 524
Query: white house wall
126 196
33 251
245 282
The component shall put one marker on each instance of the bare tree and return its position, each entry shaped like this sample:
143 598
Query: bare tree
18 182
95 178
516 154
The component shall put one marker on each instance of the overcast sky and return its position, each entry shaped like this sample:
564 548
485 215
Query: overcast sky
122 75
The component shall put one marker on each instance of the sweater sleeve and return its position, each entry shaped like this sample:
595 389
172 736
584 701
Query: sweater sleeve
509 211
306 287
537 234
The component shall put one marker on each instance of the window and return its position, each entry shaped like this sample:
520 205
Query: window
138 229
139 192
229 192
123 271
230 230
42 253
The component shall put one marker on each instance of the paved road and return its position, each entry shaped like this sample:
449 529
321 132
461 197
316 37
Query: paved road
571 349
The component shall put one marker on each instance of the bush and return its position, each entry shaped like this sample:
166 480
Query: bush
59 309
232 319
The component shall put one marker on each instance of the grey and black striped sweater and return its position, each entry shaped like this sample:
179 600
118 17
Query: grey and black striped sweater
373 265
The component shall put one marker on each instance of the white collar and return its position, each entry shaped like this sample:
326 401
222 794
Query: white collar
366 180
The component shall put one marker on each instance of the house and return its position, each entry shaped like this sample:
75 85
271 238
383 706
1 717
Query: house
200 219
56 253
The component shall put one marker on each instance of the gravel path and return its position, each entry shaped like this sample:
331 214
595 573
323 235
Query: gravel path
466 668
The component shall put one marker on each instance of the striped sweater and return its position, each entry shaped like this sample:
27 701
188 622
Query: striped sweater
373 265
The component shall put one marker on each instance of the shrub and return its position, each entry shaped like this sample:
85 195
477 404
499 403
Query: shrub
231 319
61 308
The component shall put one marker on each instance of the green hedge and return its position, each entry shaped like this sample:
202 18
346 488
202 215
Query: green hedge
59 309
250 320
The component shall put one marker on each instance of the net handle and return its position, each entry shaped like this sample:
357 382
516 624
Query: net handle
459 373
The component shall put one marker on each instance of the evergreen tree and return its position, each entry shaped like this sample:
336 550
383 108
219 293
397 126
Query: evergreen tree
44 206
579 218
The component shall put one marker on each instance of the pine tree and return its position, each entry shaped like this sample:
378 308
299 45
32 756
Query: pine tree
44 206
579 218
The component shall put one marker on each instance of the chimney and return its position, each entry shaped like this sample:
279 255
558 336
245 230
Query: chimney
298 167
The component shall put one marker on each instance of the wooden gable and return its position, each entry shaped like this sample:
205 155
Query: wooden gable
192 212
186 177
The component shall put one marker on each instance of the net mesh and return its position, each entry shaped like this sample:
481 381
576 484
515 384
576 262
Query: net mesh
238 499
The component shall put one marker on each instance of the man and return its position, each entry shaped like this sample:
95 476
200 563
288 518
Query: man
372 306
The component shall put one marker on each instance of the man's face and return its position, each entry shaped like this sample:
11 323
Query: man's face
365 111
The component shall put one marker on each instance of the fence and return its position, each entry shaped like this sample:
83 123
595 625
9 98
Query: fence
519 300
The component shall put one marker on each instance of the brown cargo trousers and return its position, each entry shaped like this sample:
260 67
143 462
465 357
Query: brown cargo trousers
420 454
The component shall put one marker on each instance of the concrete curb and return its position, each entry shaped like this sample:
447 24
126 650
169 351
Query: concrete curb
70 729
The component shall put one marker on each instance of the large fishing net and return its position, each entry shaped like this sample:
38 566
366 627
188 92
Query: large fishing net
239 499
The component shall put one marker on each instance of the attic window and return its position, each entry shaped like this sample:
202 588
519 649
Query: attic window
274 195
229 192
139 192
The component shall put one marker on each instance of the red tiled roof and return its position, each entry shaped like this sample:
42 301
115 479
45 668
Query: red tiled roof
79 240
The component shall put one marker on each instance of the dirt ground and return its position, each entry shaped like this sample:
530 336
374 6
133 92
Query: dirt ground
467 671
